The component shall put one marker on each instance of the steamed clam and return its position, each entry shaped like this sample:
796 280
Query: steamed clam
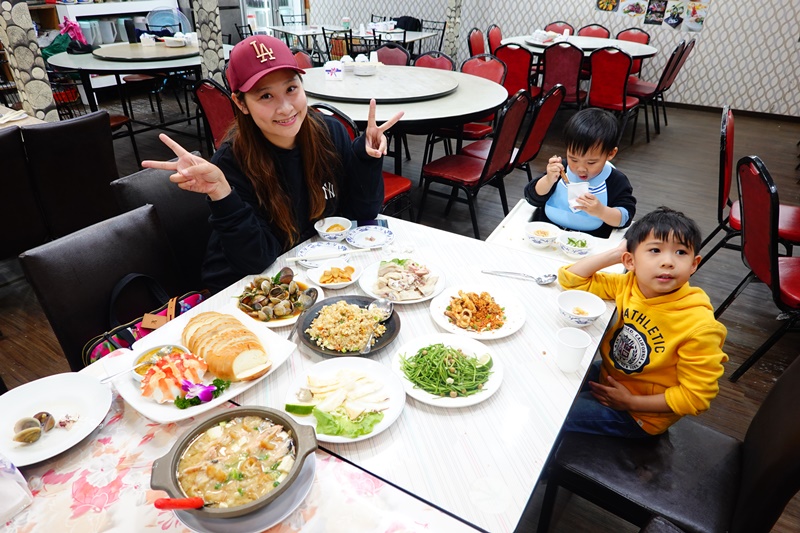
274 298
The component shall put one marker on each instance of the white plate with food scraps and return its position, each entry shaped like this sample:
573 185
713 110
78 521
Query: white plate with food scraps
469 347
232 307
393 388
277 347
370 237
81 396
370 276
319 248
514 313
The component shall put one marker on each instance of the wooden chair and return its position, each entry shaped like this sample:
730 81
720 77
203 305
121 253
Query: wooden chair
542 115
635 35
494 35
697 478
73 188
594 30
610 69
20 212
435 59
559 26
73 276
396 189
475 42
218 110
470 174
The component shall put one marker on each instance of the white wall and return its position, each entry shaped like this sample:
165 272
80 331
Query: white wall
748 54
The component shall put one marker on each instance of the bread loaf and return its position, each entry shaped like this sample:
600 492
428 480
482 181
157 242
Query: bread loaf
230 350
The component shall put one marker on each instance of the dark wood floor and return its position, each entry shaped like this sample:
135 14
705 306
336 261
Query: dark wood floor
679 168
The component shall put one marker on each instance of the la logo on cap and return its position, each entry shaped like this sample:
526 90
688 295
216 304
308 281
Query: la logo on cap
262 52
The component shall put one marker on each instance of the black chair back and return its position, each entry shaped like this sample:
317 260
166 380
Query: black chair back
73 276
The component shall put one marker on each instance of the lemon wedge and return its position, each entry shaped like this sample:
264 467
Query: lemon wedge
299 408
484 360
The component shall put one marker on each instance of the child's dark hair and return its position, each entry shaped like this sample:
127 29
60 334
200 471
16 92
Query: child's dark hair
664 222
590 128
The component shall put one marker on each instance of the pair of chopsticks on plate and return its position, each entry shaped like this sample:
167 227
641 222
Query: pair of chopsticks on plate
327 255
563 174
14 115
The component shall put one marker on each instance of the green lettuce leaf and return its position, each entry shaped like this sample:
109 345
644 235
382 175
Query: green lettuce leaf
339 424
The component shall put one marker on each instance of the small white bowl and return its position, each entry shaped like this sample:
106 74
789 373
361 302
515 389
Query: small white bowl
315 274
364 69
139 373
174 42
571 250
580 308
323 225
541 234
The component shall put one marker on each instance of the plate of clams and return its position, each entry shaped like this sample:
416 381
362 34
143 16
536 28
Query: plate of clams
277 299
48 416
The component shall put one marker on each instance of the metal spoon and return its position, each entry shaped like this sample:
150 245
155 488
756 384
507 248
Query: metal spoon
544 279
385 308
313 294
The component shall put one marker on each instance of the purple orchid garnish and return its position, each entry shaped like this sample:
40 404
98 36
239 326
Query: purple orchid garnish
198 390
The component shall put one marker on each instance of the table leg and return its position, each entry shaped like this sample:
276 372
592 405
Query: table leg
121 90
86 80
398 152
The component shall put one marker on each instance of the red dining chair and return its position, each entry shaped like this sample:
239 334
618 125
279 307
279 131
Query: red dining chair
435 59
562 66
218 110
647 92
519 62
470 174
483 65
396 189
303 59
543 112
393 54
495 37
559 26
475 43
594 30
678 67
608 90
635 35
760 238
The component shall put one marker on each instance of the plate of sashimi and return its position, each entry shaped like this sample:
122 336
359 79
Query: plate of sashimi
194 363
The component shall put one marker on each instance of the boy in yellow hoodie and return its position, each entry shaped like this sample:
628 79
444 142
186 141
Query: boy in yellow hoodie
663 356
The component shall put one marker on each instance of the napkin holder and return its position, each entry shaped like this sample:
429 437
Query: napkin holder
334 71
14 492
347 63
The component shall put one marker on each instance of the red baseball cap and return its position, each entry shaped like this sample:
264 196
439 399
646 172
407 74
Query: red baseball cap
255 57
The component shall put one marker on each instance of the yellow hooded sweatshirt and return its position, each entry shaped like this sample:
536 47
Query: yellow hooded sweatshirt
669 344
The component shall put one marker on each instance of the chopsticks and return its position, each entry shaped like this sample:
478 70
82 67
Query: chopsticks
563 175
328 255
12 116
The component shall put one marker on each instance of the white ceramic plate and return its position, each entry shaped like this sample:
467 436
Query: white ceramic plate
515 313
71 394
319 248
377 371
370 237
466 345
264 518
370 276
278 348
232 307
315 273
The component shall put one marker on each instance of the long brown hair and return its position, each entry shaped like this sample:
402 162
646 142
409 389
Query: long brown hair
256 157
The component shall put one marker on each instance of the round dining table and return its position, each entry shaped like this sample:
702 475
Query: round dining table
429 98
587 44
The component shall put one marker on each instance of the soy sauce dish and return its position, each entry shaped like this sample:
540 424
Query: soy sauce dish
238 461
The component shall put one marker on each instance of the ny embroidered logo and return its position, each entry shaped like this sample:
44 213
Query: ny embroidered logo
262 52
327 189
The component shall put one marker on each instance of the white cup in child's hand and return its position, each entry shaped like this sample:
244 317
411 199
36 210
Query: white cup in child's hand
575 191
572 344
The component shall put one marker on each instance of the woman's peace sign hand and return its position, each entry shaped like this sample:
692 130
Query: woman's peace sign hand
191 172
376 142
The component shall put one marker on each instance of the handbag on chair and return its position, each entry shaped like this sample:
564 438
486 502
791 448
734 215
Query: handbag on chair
124 335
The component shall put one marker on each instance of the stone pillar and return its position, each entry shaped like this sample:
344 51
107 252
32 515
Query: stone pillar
453 29
209 34
25 60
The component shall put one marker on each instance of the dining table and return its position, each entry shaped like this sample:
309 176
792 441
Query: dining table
18 120
439 464
429 98
587 44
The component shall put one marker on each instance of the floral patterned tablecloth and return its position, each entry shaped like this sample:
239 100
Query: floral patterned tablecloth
103 484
